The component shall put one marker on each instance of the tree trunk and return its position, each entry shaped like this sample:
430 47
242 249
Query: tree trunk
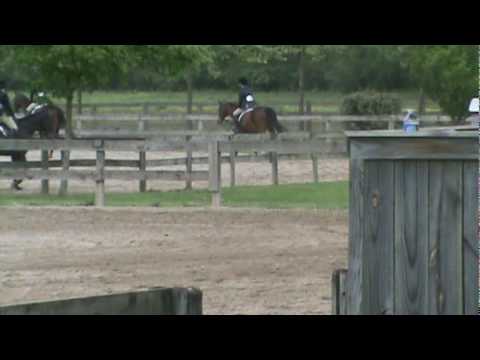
69 127
189 80
301 81
421 102
79 102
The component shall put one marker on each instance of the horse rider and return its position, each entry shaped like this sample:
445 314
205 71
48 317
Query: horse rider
38 101
7 116
246 102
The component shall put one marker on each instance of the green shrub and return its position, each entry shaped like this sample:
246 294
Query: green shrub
370 103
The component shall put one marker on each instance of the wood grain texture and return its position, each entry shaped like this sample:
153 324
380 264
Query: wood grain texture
411 237
159 301
416 149
378 245
45 182
356 237
65 168
100 179
142 169
445 238
339 300
470 237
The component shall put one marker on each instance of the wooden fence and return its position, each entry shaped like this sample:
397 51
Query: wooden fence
199 122
158 301
100 171
199 107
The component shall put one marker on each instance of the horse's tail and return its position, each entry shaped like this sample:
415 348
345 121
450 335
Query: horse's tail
272 115
61 117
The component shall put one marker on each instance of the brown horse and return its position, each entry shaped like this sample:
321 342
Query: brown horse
27 127
258 121
50 119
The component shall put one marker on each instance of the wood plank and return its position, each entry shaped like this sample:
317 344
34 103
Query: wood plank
356 237
232 161
416 149
167 175
188 166
215 175
470 237
28 174
175 117
85 175
411 237
157 301
314 158
142 168
45 182
445 238
284 147
100 180
65 167
378 246
274 160
339 292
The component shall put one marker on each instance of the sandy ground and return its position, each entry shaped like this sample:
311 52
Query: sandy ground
245 261
260 173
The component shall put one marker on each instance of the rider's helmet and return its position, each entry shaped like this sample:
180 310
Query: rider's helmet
243 81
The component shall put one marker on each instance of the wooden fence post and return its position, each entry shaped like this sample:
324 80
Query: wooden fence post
215 173
274 158
65 167
232 169
339 292
314 156
146 109
274 161
309 108
143 168
189 165
100 181
141 124
45 182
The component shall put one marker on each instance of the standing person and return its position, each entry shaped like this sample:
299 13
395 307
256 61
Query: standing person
246 101
6 113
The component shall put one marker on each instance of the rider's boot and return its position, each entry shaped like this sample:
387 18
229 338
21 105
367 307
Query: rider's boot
10 122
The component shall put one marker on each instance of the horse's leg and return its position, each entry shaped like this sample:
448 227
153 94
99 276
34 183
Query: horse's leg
18 157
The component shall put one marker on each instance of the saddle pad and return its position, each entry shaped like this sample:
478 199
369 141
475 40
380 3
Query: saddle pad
244 113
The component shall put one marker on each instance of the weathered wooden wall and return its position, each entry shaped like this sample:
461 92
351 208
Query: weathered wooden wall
413 246
161 301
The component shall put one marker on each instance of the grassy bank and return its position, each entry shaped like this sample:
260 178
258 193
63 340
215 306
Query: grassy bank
332 195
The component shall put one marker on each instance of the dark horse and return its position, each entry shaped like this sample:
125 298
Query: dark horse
50 122
258 121
40 122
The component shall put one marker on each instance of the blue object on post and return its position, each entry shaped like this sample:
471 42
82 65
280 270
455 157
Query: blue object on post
410 122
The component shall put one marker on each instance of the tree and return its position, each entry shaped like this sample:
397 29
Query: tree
64 69
301 54
177 60
447 73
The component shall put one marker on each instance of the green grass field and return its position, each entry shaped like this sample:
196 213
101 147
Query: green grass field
323 101
333 195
